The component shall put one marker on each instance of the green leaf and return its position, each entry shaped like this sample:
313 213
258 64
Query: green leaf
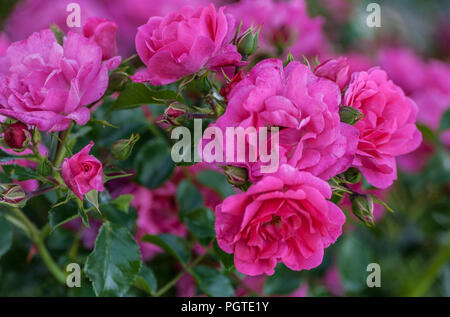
226 259
146 280
212 282
283 282
4 179
352 260
64 211
137 94
115 262
154 164
114 215
5 235
445 121
188 197
21 173
92 197
215 180
427 133
200 222
122 202
175 245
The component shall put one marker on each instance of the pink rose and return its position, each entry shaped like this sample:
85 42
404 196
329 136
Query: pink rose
335 70
103 32
83 172
282 218
130 14
49 85
388 128
304 107
182 43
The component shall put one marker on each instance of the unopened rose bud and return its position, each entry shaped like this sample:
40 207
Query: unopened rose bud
175 114
248 42
122 149
226 89
349 115
17 136
362 207
12 195
237 176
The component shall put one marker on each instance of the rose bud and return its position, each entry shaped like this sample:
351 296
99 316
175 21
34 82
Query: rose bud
122 149
17 136
236 176
226 89
248 42
12 195
83 172
175 114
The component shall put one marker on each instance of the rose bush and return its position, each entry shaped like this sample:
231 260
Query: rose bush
341 108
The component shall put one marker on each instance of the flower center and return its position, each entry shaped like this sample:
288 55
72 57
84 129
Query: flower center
276 220
85 167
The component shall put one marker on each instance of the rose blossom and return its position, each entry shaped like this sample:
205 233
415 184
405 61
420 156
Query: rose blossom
303 106
282 218
103 32
427 83
83 172
388 128
130 14
182 43
49 85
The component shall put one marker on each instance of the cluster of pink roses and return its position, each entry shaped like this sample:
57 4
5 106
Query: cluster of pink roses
278 218
285 216
47 84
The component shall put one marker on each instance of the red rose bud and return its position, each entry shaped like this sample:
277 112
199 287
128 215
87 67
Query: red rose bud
175 114
226 89
17 136
12 195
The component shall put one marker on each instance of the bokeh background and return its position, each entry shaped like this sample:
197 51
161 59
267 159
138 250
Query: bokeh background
411 245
